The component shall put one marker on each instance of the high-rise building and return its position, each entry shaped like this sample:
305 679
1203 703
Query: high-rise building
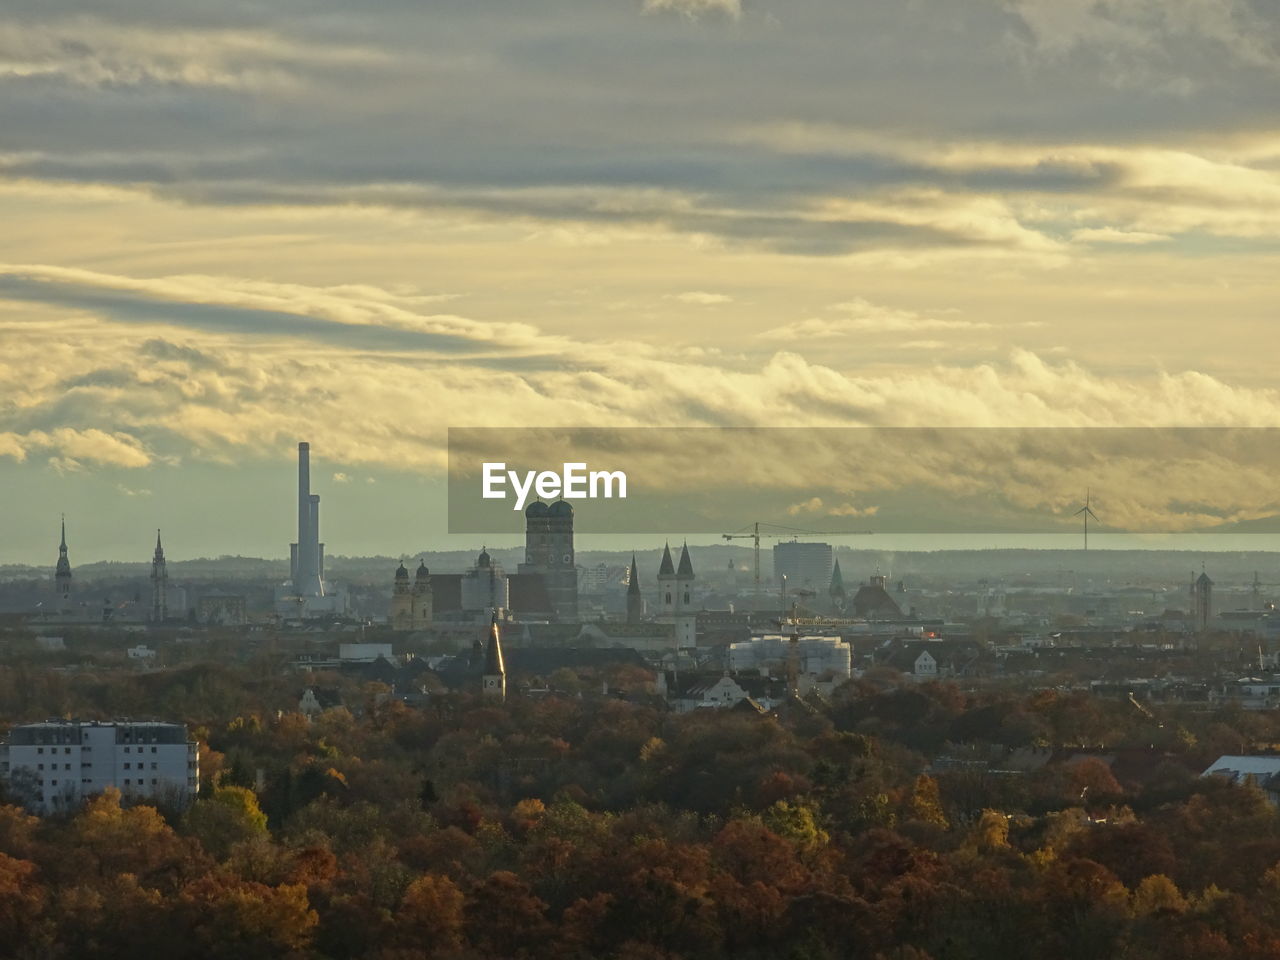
807 566
52 766
548 552
159 584
1202 602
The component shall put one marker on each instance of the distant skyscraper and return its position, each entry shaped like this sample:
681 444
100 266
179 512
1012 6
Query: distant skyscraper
62 575
1202 601
159 584
805 565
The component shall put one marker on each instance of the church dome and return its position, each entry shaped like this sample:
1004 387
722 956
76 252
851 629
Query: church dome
422 570
536 509
401 572
484 559
561 508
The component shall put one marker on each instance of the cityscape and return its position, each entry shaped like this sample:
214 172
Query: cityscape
799 480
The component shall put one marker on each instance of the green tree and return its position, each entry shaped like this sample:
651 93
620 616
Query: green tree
230 816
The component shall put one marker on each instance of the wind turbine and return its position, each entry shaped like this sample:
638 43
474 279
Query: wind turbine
1086 512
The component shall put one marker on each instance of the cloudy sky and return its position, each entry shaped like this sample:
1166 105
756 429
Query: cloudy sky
233 226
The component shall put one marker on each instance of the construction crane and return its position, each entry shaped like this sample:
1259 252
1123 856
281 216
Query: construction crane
753 534
1255 586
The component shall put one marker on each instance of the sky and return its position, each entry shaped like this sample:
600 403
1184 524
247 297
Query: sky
234 226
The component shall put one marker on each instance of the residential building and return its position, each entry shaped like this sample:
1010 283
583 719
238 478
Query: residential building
52 766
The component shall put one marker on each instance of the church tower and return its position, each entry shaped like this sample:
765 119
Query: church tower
62 575
548 552
159 584
675 588
667 584
836 590
493 682
635 600
402 600
423 599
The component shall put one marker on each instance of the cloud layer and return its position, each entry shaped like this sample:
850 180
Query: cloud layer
245 223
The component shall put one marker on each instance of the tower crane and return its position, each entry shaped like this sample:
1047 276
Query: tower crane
753 534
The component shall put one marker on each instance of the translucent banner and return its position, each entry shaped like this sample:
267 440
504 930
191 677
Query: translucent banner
837 481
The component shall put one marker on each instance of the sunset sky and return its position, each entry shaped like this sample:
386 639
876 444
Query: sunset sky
233 226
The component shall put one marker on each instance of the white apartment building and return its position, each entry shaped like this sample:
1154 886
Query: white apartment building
815 656
53 766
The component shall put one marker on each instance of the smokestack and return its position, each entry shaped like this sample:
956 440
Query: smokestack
307 578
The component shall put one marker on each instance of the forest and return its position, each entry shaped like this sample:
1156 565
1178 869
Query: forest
586 826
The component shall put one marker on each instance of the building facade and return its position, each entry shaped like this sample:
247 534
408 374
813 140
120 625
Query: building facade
52 767
805 565
812 655
412 604
485 591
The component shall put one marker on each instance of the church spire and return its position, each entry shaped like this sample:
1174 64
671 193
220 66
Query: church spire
685 570
837 581
159 581
667 568
635 603
62 573
633 578
494 679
